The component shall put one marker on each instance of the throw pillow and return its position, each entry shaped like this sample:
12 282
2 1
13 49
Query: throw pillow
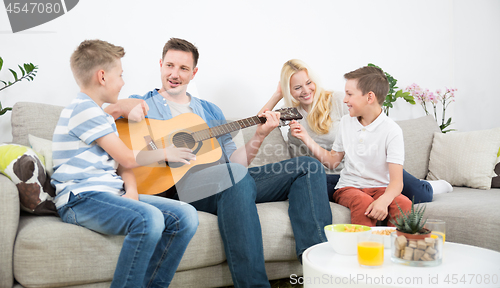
495 181
418 135
43 147
23 166
464 158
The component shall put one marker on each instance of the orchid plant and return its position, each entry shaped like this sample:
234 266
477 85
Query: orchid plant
424 96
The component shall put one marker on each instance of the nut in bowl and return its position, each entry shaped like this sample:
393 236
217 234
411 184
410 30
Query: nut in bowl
385 231
343 237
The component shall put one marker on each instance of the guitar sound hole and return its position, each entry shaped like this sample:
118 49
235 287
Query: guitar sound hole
183 140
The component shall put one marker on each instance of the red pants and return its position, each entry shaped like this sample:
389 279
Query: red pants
358 199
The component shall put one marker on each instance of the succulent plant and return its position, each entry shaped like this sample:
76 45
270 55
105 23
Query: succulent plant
411 222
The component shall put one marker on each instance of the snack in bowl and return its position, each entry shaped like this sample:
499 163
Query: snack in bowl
343 237
385 232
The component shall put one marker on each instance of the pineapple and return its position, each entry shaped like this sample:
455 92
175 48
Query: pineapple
411 222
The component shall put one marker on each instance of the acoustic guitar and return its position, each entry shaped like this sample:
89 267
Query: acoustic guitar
153 134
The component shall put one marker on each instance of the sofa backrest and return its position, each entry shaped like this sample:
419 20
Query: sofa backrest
418 135
36 119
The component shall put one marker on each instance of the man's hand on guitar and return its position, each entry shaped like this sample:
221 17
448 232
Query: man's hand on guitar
272 121
182 155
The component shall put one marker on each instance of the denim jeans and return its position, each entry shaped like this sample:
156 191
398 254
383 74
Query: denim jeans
157 231
421 191
234 192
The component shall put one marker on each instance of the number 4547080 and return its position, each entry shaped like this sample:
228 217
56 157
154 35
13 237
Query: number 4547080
38 8
476 279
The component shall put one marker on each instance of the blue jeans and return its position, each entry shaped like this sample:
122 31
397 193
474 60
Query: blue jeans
234 192
157 231
412 187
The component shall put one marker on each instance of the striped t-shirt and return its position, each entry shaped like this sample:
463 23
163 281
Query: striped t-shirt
80 165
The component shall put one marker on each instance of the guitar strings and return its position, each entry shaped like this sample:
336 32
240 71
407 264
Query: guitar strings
241 123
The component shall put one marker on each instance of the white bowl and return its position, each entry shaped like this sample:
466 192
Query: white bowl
387 238
345 243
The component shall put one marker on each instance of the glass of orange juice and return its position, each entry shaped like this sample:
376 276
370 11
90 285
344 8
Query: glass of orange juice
370 250
437 227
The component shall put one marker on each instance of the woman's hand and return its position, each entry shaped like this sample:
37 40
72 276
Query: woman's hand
278 95
273 101
298 131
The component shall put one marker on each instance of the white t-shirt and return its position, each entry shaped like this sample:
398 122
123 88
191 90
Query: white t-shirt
298 148
368 150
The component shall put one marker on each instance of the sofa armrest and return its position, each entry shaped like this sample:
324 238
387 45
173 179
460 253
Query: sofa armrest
9 207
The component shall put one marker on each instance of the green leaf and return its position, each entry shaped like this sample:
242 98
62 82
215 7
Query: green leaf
1 63
22 70
14 73
4 83
398 94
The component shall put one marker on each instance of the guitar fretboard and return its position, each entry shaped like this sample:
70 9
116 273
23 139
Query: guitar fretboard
227 128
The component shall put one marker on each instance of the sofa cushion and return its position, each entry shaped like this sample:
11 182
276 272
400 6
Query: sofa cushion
418 134
26 169
51 253
40 239
36 119
465 158
466 210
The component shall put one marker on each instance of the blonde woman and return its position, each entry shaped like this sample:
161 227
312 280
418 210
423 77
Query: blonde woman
322 111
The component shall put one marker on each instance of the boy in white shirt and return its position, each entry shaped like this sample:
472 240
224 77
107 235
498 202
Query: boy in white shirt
371 182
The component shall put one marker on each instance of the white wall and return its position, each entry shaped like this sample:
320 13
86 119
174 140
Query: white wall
243 45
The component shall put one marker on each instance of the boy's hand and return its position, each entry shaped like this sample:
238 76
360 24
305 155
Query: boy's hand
138 111
182 155
378 209
131 195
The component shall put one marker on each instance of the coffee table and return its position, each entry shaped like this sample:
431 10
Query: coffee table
462 266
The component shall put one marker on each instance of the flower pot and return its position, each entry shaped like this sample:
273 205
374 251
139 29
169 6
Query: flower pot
415 236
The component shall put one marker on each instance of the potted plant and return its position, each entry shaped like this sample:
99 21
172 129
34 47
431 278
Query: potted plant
412 243
393 95
411 224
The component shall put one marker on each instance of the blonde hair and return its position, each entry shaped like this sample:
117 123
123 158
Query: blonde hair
91 55
319 116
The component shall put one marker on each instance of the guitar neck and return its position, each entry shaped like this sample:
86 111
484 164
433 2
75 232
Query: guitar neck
227 128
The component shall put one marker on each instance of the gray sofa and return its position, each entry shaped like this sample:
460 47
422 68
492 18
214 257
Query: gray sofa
42 251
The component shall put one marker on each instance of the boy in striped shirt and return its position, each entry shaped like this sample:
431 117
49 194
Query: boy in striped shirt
95 186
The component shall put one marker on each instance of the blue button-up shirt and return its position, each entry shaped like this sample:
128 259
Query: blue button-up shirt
208 111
